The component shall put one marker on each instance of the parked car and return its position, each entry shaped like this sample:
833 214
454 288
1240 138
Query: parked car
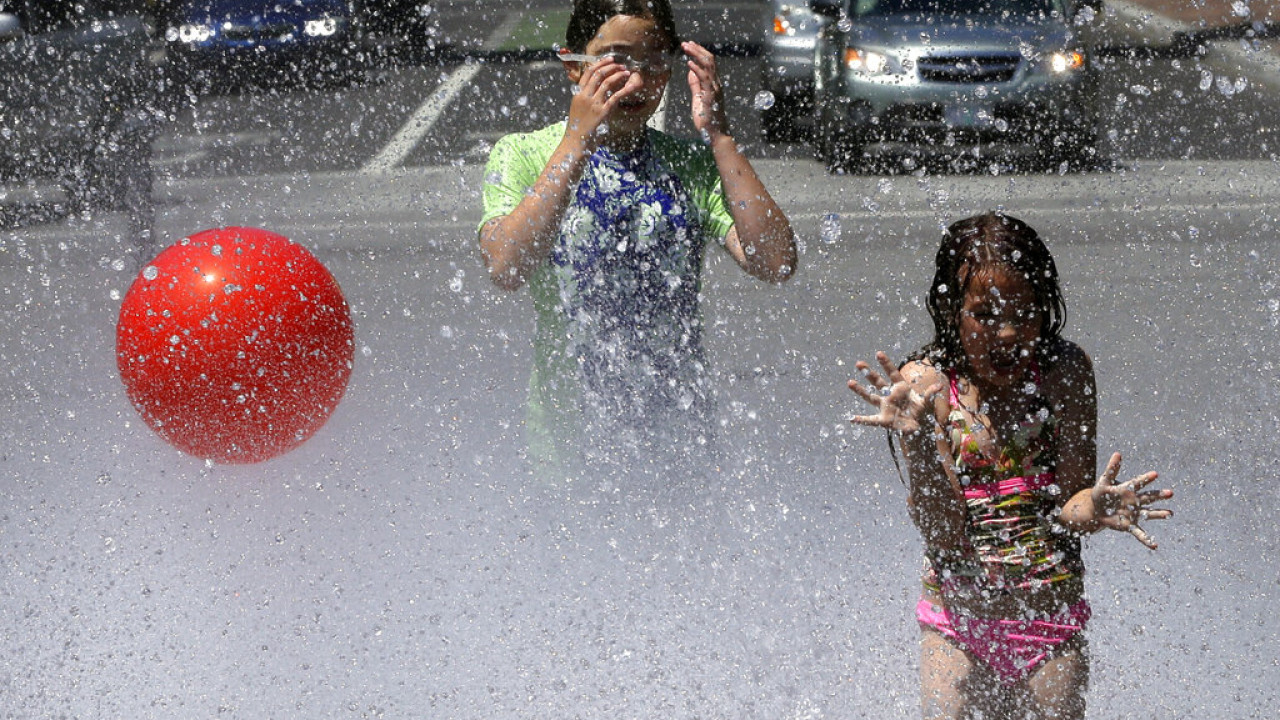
217 42
790 31
76 103
945 74
404 29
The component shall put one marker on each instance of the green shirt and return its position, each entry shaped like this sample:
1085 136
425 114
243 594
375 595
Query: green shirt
618 332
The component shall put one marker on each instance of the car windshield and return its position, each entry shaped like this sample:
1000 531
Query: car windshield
1013 8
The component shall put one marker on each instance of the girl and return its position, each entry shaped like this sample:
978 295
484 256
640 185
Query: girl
996 420
606 220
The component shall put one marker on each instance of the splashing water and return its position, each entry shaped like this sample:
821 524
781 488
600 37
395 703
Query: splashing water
831 229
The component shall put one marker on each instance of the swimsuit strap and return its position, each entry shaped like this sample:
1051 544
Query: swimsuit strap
954 394
953 378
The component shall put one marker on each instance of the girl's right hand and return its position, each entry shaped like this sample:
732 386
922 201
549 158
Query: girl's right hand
899 407
601 86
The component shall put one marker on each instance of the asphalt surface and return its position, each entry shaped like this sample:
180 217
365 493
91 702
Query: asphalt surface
401 563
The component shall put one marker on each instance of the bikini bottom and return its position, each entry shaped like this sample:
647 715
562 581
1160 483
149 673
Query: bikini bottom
1012 648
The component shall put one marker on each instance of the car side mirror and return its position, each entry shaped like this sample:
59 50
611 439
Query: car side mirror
827 8
10 27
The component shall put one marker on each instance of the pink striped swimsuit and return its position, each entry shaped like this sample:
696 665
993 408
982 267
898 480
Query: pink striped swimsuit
1010 502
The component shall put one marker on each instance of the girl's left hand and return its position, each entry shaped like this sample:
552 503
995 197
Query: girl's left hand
709 116
1122 507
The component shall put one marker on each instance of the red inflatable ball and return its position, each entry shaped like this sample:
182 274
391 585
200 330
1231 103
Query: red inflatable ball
235 344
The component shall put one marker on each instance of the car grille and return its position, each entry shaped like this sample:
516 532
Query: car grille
969 68
257 32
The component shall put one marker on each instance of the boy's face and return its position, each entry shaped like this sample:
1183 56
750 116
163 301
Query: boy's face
644 46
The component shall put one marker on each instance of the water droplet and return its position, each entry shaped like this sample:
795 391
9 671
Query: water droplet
150 272
764 100
830 229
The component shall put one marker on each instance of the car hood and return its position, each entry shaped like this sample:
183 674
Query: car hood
251 10
974 32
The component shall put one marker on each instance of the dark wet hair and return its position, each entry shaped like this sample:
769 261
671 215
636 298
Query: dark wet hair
589 15
982 244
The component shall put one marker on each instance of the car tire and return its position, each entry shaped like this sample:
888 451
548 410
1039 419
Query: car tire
785 120
838 149
1076 147
776 123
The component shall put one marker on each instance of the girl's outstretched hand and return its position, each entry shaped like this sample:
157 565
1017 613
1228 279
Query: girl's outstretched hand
899 407
709 116
601 86
1123 507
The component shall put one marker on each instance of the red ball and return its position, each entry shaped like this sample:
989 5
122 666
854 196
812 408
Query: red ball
235 344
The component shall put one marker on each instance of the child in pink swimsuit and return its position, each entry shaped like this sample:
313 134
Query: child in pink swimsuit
996 419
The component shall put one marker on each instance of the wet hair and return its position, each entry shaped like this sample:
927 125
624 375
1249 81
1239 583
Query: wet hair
980 246
589 15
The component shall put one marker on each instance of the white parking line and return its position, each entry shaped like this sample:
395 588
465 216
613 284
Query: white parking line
428 114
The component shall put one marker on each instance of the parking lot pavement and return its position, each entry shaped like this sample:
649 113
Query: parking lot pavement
1257 53
1213 13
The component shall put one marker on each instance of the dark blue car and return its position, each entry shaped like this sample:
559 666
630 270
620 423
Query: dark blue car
238 41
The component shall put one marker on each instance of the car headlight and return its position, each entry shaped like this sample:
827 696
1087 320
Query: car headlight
1066 61
189 33
322 27
868 61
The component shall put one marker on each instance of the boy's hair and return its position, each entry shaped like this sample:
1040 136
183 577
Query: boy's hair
589 15
982 244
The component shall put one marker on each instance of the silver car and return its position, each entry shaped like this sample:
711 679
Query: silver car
790 32
951 76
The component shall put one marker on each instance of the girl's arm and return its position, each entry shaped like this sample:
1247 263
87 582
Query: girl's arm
911 404
761 240
1071 389
1093 505
517 243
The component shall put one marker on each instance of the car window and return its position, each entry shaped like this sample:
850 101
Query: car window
1026 8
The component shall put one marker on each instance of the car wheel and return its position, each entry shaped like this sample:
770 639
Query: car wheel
1075 147
840 150
825 141
784 120
776 123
